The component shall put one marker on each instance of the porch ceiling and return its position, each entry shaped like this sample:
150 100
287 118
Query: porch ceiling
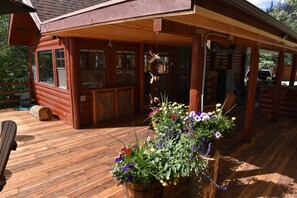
132 31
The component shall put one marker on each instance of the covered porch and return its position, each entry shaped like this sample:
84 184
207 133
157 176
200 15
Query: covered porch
55 160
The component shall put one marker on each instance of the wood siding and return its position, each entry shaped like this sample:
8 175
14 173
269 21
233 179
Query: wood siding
58 101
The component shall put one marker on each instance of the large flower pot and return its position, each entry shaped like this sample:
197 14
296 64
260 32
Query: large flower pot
207 147
143 191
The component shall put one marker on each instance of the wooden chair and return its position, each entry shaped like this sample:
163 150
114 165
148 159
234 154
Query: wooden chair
7 143
229 102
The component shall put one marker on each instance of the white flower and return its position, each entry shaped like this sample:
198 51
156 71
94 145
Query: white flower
218 105
192 113
148 139
218 135
197 118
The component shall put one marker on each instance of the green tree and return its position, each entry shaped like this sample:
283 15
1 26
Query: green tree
286 13
13 59
13 62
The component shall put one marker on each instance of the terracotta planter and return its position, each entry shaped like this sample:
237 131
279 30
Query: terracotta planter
143 191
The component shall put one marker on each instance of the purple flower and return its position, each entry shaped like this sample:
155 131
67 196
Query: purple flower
118 159
218 134
125 168
129 177
199 113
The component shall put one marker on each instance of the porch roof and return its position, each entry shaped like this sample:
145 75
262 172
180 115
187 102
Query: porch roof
133 21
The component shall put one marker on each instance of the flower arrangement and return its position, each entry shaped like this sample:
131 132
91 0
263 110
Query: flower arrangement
135 164
211 125
167 118
174 152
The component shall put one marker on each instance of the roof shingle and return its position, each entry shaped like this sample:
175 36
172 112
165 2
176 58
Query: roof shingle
48 9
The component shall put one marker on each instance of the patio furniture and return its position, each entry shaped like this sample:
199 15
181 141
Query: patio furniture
7 143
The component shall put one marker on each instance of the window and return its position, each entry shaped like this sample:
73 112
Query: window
162 65
33 64
125 68
61 70
92 64
45 67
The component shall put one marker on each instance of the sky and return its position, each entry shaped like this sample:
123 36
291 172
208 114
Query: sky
263 4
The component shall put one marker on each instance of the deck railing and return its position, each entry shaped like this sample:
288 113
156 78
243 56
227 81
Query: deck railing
12 94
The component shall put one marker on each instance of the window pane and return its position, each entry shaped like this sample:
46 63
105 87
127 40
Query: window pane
62 78
92 64
125 67
60 63
45 66
162 65
33 64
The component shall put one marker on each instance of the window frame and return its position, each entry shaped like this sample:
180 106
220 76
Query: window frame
54 67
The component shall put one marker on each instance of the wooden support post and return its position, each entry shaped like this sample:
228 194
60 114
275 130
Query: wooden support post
141 77
200 185
293 71
196 74
73 82
251 95
278 81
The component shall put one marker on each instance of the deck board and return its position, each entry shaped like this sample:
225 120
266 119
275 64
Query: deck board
54 160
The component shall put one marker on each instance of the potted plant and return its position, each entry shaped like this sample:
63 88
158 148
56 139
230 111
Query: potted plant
207 128
135 169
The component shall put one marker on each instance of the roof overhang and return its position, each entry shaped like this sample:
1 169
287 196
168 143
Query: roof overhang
134 21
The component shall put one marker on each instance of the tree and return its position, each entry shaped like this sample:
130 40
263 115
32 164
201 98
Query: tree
13 59
286 12
13 62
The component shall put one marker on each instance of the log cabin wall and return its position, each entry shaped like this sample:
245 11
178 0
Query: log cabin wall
105 77
50 84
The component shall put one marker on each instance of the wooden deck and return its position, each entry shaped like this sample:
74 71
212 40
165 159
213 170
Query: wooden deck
54 160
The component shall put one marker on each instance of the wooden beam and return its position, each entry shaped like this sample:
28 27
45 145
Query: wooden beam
251 95
170 27
73 82
278 81
196 74
141 76
293 71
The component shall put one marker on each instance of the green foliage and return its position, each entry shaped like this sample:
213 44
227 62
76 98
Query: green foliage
135 164
167 118
176 158
13 62
286 13
212 125
13 59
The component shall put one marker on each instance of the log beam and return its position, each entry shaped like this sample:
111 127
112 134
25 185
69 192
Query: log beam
141 76
170 27
251 95
293 71
73 67
278 81
196 74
